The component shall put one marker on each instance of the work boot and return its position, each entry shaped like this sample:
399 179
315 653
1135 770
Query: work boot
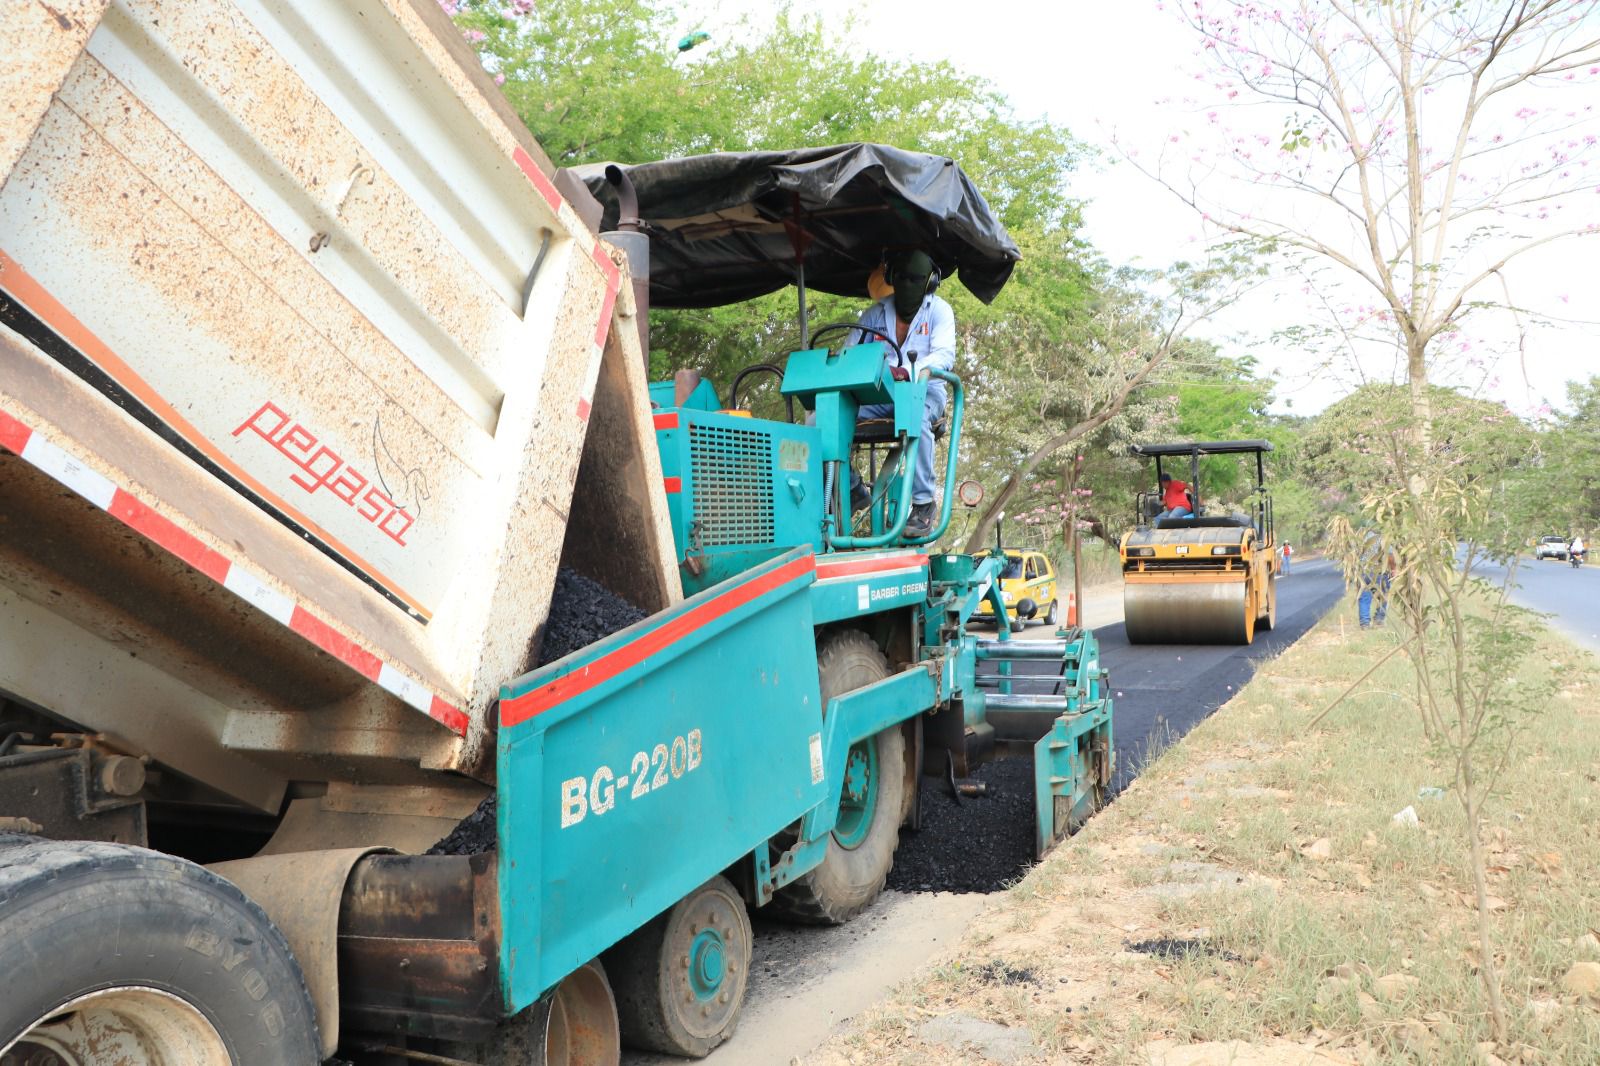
860 497
920 522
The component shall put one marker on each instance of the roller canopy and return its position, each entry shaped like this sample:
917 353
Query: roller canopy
726 227
1204 447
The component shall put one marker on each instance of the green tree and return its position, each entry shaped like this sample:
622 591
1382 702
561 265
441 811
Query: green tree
1563 491
600 80
1078 380
1356 443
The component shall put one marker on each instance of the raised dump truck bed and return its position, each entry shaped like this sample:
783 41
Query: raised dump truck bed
293 308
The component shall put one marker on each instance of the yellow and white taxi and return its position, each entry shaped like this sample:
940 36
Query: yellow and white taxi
1027 586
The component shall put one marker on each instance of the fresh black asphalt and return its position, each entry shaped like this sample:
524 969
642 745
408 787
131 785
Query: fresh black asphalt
1164 690
1160 692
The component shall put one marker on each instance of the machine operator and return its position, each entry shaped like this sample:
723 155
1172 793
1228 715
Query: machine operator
1175 497
925 328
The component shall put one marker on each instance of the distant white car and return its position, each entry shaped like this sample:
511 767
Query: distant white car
1550 548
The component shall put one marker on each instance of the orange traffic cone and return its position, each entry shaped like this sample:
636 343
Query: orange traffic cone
1072 608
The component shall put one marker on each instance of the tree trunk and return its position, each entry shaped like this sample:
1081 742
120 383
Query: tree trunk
985 525
1421 402
1488 966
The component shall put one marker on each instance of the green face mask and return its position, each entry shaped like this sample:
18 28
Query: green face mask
911 276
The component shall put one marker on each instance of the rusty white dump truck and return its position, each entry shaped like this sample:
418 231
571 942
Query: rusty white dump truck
317 383
302 352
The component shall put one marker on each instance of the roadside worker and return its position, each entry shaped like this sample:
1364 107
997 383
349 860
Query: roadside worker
1288 553
1175 498
1377 574
924 327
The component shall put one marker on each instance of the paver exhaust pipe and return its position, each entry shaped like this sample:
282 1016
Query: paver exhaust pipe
634 242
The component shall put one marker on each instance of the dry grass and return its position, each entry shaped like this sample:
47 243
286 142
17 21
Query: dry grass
1316 921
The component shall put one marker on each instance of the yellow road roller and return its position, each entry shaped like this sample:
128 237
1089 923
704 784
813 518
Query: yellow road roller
1193 573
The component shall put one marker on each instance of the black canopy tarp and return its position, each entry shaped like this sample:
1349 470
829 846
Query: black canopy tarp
724 227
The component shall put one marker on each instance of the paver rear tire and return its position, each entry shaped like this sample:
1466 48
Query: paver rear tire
861 849
107 948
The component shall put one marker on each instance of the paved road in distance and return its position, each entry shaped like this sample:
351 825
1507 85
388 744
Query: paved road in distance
1164 690
1570 597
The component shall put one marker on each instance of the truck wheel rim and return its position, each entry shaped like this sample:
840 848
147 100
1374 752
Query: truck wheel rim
707 964
713 946
859 797
581 1027
128 1024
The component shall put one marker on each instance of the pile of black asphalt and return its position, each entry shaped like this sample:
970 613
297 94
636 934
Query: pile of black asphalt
581 612
473 835
981 844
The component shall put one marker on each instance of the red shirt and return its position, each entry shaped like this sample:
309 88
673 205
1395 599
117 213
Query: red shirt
1173 495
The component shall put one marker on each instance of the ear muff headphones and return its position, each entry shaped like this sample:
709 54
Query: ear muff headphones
934 277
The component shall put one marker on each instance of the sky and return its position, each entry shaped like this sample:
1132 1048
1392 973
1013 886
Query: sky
1120 70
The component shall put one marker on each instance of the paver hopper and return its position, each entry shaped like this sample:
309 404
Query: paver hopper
1206 577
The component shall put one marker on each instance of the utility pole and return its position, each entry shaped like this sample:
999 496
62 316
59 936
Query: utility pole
1077 541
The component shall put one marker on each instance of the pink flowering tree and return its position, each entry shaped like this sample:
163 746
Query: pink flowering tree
1417 149
1419 152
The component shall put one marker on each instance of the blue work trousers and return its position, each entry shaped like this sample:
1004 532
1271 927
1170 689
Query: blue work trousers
922 472
1373 586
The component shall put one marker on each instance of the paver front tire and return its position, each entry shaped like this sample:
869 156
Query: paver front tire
861 847
118 954
680 980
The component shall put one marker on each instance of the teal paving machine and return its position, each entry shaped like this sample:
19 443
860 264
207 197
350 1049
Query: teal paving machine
760 744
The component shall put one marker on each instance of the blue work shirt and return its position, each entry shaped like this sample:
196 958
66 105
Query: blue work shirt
931 337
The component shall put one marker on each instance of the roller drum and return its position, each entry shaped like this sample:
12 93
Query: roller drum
1188 613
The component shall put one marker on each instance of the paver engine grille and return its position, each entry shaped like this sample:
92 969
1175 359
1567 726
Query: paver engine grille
732 471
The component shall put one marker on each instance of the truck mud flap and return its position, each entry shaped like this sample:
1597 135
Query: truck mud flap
631 771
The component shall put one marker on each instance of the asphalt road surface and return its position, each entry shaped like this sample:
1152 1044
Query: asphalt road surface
1570 597
1164 690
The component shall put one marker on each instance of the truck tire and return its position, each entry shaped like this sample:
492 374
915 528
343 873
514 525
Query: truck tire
861 847
680 980
118 954
575 1024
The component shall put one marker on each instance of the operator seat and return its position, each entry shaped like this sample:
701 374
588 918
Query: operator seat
881 430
